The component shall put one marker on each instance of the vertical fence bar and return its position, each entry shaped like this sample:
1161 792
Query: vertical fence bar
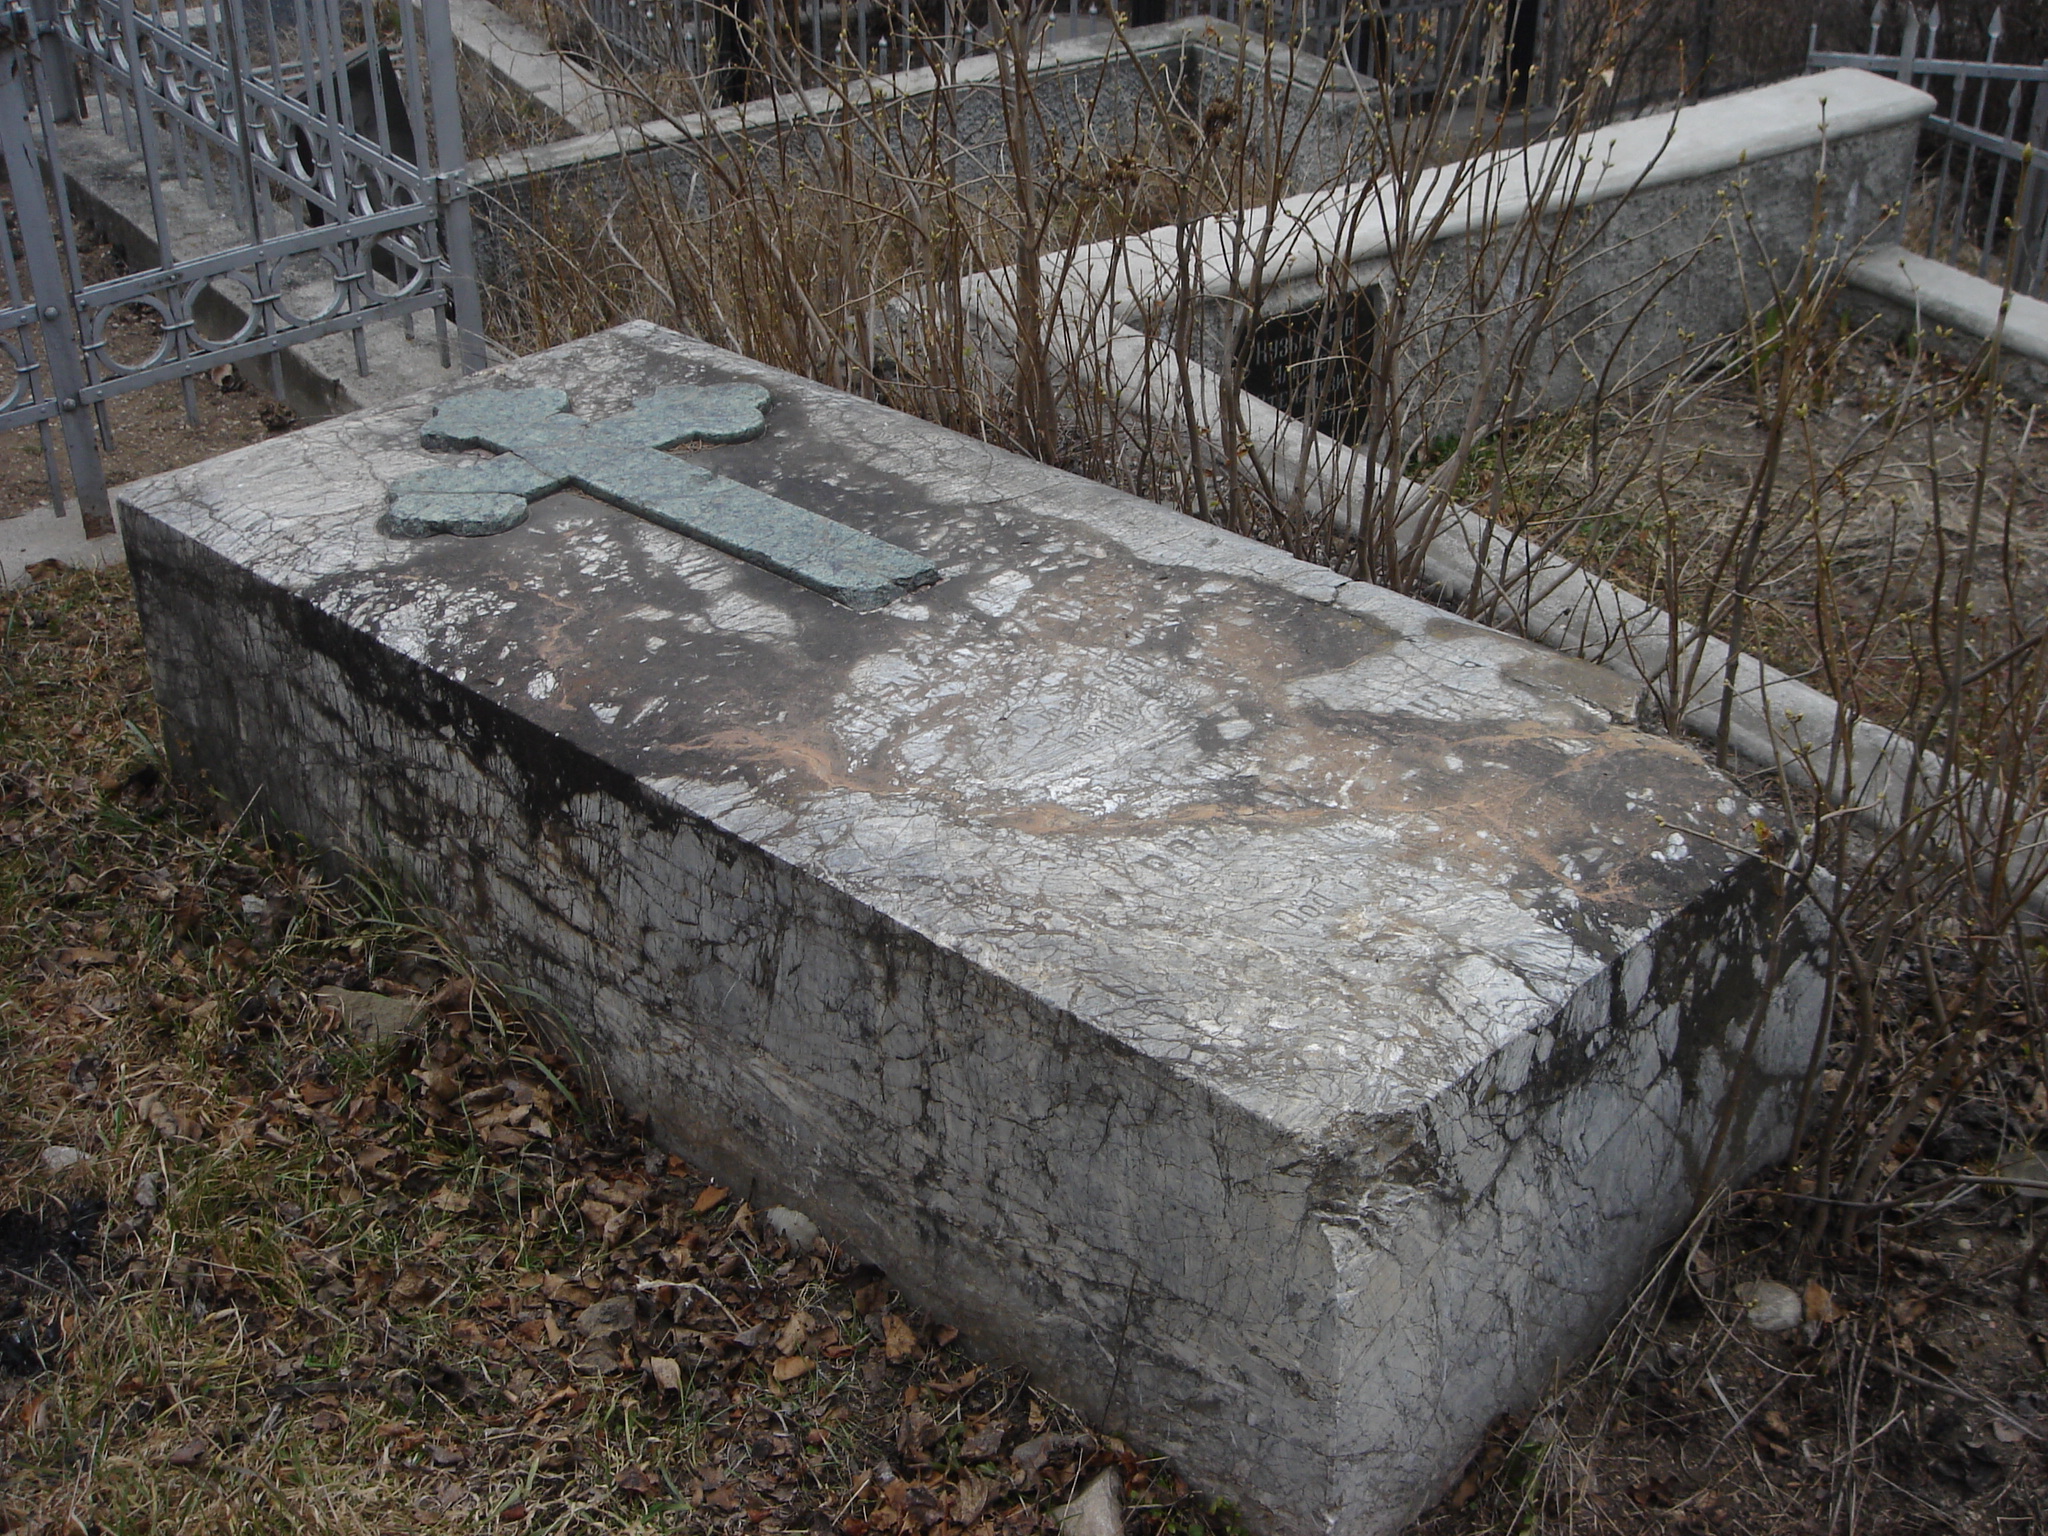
46 281
1968 187
2029 265
451 183
57 82
2011 136
26 376
152 167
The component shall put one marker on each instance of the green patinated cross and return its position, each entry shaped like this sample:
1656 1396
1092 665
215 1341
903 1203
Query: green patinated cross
619 460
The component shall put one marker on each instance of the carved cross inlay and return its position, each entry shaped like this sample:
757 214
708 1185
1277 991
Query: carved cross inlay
543 449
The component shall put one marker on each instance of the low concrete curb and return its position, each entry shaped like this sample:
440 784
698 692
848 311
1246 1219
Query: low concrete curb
521 59
1956 312
40 534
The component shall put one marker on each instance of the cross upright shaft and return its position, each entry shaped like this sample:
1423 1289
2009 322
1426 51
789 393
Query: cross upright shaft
547 449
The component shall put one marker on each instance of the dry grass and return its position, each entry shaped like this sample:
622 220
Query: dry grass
1910 1398
302 1281
1879 471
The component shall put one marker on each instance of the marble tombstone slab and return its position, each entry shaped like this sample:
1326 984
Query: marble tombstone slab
1283 1016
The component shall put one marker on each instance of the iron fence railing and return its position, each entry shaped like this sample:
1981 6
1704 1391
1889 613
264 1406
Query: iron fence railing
1413 47
326 136
1984 184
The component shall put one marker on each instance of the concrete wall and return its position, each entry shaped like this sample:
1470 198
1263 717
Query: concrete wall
1103 92
1602 259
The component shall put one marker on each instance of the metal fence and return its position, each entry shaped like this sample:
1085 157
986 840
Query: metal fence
1415 48
323 136
1984 203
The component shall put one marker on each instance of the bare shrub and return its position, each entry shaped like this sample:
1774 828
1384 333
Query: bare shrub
1055 292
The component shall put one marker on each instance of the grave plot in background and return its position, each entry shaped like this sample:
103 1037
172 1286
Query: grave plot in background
1283 1015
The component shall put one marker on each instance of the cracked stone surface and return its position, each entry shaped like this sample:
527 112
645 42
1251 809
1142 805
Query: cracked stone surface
1283 1015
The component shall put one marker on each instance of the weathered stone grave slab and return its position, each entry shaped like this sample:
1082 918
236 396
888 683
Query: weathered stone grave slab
1282 1015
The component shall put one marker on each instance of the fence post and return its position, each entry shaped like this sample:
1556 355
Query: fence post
2030 221
47 285
60 75
1908 43
451 182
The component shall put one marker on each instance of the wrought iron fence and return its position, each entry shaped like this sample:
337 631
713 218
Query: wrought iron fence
1415 48
1984 182
324 134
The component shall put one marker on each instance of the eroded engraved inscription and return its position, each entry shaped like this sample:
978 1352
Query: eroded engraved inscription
544 448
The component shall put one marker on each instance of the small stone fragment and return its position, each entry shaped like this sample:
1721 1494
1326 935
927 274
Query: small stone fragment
983 1444
602 1319
1099 1511
793 1227
379 1020
1770 1307
63 1159
596 1359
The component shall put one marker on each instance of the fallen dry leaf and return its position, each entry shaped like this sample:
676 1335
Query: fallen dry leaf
450 1199
165 1121
983 1444
899 1340
667 1373
970 1499
711 1196
637 1482
1820 1306
791 1339
562 1288
789 1367
414 1287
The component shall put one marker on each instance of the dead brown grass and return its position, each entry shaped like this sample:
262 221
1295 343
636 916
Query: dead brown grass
1880 467
1908 1395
